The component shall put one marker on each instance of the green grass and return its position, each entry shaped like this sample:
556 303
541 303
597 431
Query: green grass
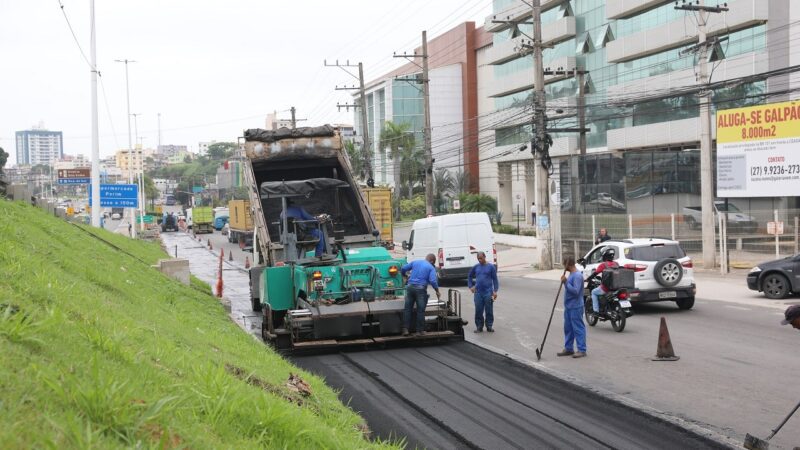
99 350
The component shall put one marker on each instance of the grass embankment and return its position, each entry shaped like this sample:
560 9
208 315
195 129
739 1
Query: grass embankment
99 350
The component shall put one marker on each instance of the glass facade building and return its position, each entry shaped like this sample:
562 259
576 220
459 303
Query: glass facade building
638 179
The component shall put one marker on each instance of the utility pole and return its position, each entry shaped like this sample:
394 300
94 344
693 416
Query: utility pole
139 172
706 171
130 143
366 148
426 94
293 110
541 174
95 133
581 109
426 132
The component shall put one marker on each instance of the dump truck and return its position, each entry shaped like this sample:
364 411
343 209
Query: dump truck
240 223
379 200
323 279
202 220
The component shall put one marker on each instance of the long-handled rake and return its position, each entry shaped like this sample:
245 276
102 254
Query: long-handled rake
539 350
753 443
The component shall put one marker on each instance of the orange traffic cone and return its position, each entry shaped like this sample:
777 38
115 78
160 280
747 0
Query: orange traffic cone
665 351
246 262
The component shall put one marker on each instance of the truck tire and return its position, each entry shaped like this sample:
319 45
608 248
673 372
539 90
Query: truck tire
255 303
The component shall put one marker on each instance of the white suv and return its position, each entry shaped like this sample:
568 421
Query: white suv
662 271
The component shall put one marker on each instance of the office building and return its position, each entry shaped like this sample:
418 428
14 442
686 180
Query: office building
39 146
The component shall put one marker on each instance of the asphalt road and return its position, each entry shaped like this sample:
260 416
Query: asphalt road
462 396
736 362
735 376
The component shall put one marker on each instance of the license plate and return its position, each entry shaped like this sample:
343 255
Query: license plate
667 294
625 303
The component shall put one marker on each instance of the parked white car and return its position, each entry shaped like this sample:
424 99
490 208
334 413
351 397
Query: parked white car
662 271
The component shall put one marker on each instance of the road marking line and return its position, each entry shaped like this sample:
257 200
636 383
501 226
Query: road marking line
741 308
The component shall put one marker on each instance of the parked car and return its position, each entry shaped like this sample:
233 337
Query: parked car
776 279
662 271
737 220
116 216
455 239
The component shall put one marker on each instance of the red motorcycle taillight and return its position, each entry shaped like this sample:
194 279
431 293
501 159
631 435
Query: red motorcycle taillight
622 295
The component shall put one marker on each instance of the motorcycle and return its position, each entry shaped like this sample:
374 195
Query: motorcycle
615 306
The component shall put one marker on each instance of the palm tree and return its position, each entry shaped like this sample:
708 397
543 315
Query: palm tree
459 183
411 168
443 183
396 138
356 160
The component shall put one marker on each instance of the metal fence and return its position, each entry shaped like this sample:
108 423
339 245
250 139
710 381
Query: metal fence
748 234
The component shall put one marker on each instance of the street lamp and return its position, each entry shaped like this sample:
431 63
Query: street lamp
130 144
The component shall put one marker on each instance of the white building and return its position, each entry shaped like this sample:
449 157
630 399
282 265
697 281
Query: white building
39 146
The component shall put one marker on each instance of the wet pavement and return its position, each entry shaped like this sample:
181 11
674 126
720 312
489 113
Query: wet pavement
204 264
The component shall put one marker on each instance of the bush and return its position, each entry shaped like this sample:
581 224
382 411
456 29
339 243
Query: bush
414 208
478 203
504 229
528 232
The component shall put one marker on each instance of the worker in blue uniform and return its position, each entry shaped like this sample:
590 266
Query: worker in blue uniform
298 213
423 273
485 287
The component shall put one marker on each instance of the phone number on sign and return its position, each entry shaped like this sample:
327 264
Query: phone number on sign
775 170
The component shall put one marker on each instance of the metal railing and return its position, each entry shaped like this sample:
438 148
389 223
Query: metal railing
749 234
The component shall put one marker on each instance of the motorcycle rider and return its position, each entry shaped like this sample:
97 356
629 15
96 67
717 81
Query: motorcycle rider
607 254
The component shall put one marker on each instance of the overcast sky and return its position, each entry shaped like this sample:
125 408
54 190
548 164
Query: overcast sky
211 68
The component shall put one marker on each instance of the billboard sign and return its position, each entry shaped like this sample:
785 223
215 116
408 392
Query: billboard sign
117 195
758 151
81 175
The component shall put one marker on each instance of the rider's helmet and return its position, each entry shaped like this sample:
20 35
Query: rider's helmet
608 253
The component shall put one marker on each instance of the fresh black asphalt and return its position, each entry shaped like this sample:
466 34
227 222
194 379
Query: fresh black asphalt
462 396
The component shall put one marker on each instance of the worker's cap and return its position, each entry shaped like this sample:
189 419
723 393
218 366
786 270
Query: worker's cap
791 313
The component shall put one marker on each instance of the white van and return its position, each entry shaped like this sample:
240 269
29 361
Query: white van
189 218
455 239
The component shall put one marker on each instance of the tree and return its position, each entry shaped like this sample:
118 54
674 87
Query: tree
356 160
241 193
459 183
221 150
396 137
443 183
412 169
3 159
150 191
478 203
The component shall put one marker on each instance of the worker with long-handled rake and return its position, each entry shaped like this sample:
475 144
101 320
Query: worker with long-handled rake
574 328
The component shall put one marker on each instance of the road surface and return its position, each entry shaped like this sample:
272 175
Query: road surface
462 396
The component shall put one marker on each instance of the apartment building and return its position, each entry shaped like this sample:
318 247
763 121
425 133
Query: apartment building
39 146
